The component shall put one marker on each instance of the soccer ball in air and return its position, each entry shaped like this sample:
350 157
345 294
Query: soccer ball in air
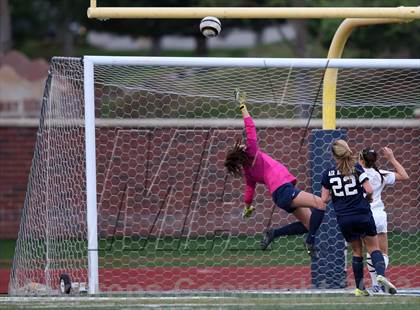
210 26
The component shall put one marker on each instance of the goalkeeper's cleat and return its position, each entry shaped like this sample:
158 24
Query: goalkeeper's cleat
388 286
359 292
310 249
268 238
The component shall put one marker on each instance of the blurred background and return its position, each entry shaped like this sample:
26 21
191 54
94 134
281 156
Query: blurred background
31 32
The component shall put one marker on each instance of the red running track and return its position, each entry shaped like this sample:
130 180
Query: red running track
223 278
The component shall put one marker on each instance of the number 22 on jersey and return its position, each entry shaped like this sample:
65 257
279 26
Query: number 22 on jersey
347 189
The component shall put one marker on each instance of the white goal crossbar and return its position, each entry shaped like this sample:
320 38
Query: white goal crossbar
255 62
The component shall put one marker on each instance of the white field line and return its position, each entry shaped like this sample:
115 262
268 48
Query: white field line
278 295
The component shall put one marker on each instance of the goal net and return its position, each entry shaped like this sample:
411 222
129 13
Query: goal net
127 191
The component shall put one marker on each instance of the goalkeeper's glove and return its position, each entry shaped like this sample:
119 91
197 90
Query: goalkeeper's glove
247 211
240 96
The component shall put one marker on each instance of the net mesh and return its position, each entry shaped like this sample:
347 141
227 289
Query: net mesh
169 217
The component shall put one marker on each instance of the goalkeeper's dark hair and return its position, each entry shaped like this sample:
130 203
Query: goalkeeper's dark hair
343 157
369 156
236 159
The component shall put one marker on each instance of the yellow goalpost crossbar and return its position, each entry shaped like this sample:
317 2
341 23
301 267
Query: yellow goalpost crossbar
251 12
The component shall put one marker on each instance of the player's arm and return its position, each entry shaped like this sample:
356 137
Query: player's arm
240 97
248 197
244 110
326 186
364 180
251 132
325 195
368 190
400 173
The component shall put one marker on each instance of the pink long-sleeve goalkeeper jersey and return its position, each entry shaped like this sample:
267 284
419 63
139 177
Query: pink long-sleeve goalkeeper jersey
264 169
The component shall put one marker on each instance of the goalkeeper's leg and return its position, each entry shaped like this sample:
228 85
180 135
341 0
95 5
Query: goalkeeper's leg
299 202
307 221
307 200
296 228
315 221
293 229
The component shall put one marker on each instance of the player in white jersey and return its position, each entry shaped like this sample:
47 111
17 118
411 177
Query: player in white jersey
378 180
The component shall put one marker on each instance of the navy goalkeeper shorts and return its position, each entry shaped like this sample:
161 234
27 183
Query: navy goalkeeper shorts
284 195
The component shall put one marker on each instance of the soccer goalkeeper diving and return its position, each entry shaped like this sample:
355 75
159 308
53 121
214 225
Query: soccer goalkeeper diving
249 161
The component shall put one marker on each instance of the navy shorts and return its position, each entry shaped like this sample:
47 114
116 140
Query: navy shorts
355 227
284 195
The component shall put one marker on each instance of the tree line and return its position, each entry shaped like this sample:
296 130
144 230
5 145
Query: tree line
59 21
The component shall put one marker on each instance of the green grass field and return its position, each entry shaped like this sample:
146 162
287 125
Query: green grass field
404 249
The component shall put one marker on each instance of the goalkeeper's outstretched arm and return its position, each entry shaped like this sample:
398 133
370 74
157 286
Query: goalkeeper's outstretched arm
240 97
251 132
251 149
244 110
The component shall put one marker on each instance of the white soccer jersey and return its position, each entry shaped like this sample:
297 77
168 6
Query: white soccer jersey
378 185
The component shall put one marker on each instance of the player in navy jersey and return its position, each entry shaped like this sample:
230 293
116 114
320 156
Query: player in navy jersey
346 184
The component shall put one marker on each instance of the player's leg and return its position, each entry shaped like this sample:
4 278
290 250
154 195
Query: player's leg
382 230
357 247
296 228
383 235
307 200
380 218
306 220
383 247
315 219
383 243
351 229
372 272
293 229
378 262
303 216
314 222
357 267
295 201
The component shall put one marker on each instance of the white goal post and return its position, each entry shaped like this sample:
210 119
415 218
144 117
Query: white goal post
91 61
170 93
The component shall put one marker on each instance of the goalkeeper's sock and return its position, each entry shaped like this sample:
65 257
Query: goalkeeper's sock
378 262
296 228
357 265
314 222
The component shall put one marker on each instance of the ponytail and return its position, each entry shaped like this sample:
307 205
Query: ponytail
370 156
343 157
